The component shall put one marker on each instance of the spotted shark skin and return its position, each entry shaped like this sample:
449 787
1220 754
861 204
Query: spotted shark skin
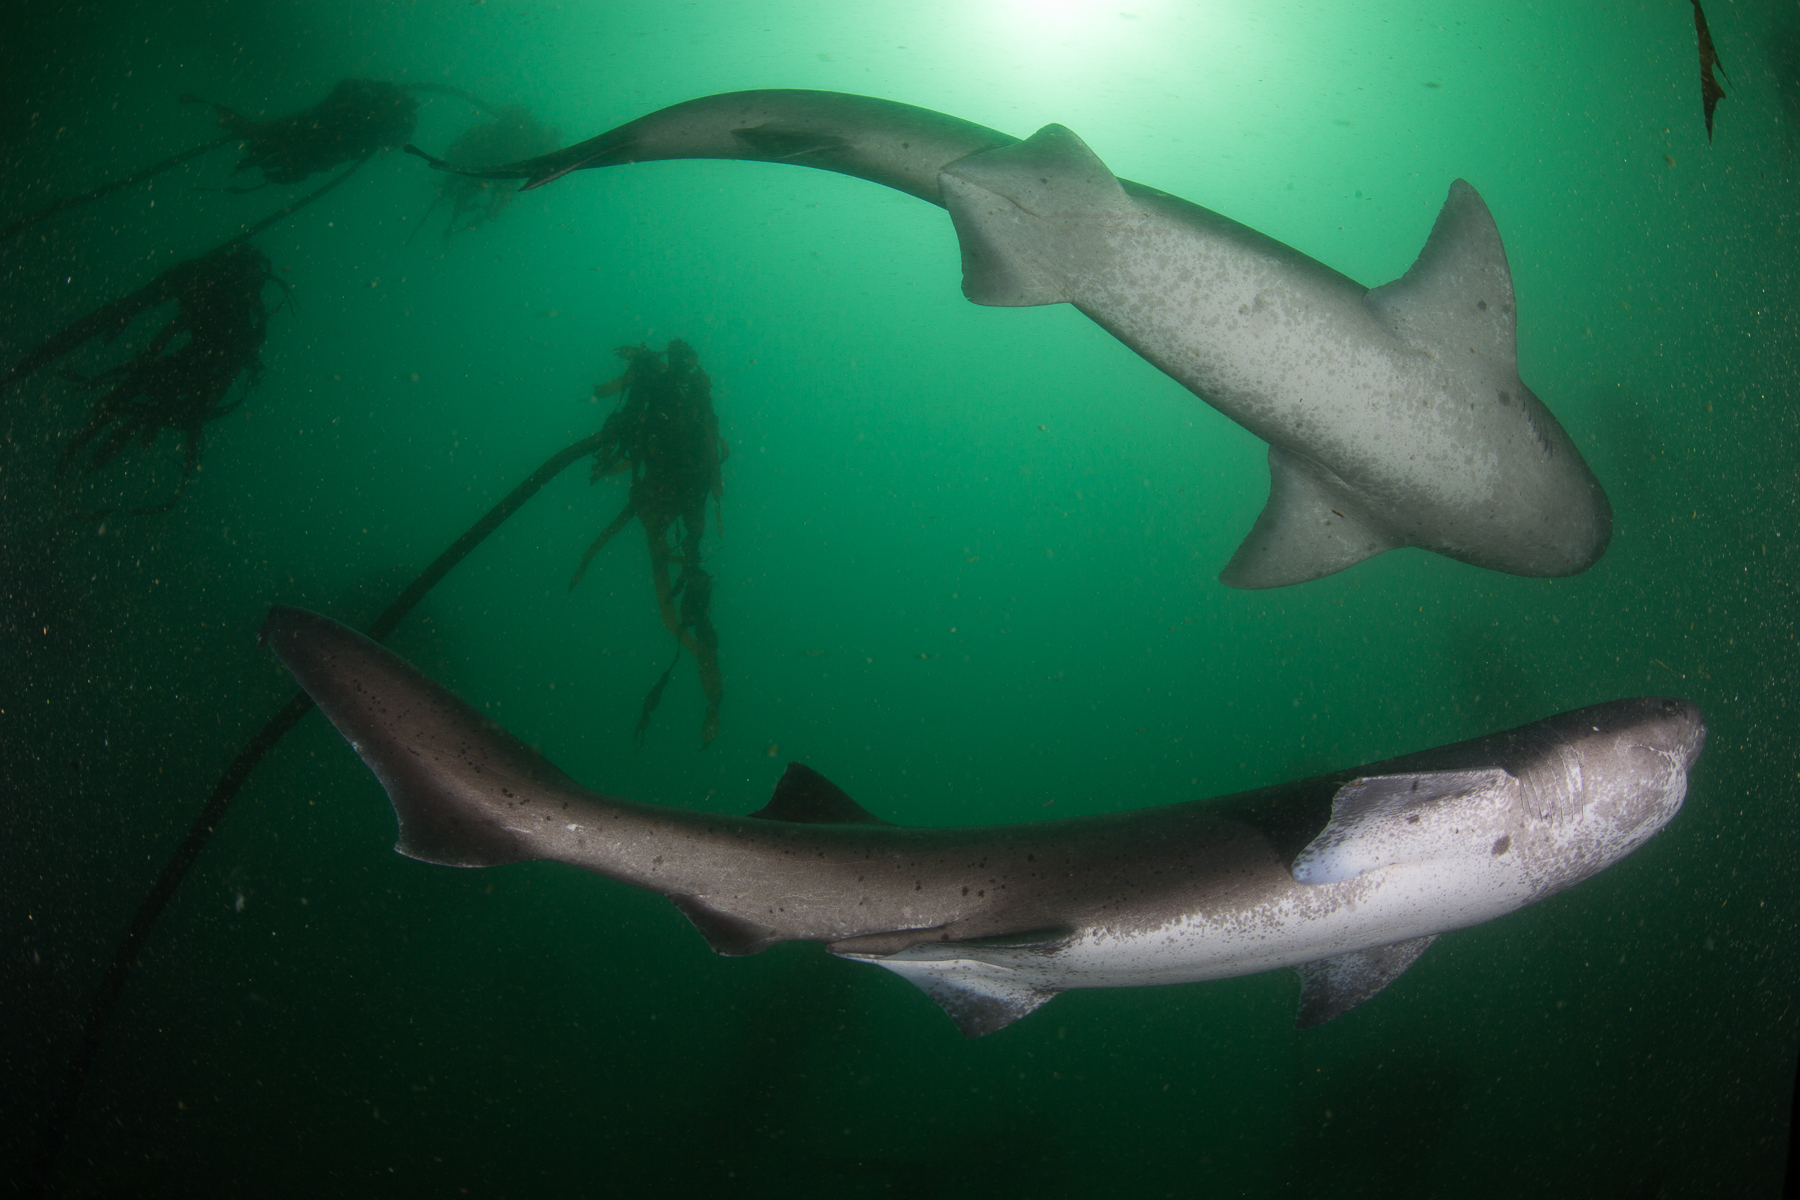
1395 416
1346 877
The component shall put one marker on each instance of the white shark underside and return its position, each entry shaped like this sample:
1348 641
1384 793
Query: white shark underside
1394 416
1345 876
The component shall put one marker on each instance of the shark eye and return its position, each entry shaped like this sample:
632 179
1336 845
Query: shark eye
1669 706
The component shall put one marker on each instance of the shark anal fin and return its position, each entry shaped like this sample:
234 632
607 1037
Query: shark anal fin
1457 297
1333 986
1017 207
727 934
980 997
1310 528
806 797
1387 820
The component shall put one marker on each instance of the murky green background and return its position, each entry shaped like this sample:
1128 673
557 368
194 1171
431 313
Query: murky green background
967 571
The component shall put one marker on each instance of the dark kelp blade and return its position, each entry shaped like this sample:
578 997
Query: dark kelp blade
1710 91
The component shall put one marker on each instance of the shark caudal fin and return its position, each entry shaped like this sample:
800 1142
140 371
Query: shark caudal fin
454 777
1017 207
1311 527
609 149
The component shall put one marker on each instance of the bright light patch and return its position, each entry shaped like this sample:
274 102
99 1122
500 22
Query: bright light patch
1051 10
1072 60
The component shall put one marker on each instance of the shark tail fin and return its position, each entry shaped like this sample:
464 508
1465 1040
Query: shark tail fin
457 781
1011 204
605 150
1311 527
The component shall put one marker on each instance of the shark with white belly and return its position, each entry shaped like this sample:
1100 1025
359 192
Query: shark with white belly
1395 416
1346 877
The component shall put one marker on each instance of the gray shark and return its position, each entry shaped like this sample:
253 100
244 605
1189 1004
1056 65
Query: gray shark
1346 877
1395 416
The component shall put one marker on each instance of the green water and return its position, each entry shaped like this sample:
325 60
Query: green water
967 570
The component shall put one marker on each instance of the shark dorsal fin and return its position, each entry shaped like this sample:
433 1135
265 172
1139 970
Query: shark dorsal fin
1312 526
1009 204
806 797
1333 986
1390 820
1457 299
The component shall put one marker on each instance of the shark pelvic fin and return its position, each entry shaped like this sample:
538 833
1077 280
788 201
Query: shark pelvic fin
806 797
1008 203
727 934
1456 300
980 997
1387 820
1310 528
1333 986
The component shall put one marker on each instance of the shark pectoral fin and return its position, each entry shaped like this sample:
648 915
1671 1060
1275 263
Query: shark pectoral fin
979 996
1457 298
726 933
1333 986
807 797
1020 208
1310 528
1387 820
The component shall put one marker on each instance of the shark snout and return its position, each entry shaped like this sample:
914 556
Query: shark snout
1669 728
1683 730
1665 725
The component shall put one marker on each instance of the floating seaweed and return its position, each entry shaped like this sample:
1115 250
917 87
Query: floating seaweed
358 118
1710 91
665 434
187 373
513 134
184 376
